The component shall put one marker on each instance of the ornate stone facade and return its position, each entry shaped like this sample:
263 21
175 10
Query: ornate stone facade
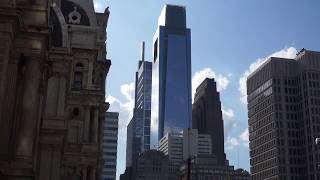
52 89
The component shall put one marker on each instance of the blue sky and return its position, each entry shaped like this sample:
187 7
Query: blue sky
230 39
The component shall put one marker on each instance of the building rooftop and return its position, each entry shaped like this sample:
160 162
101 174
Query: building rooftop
173 16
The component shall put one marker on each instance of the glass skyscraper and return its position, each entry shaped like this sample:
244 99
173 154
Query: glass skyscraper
171 111
138 130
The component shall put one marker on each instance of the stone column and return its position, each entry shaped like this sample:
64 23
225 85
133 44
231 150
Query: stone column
84 173
61 96
86 127
4 121
96 125
29 109
90 71
93 174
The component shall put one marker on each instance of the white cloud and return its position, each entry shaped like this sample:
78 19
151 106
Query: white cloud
125 109
231 142
198 77
244 137
228 120
284 53
128 91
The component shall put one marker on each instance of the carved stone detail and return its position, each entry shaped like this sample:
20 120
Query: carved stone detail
74 16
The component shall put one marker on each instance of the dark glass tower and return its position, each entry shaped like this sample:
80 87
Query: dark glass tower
171 73
138 130
207 116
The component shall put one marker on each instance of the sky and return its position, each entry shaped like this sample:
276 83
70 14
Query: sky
230 39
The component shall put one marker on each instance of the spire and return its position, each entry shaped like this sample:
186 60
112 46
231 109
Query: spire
142 50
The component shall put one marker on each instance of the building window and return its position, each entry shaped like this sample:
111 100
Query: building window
78 76
91 125
76 111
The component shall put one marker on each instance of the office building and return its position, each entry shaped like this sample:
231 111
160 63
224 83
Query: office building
171 73
127 175
206 166
109 146
134 137
283 111
203 166
180 146
149 165
138 129
207 116
143 88
53 69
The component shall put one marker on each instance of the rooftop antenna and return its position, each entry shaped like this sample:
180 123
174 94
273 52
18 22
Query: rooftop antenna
142 51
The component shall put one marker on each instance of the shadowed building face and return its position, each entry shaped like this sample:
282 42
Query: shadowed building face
207 116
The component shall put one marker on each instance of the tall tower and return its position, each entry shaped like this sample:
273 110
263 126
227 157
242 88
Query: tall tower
207 116
138 130
171 73
283 111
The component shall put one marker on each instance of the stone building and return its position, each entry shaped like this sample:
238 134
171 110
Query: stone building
52 89
283 111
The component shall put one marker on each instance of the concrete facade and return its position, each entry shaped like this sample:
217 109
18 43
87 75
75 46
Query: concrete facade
53 70
109 146
284 106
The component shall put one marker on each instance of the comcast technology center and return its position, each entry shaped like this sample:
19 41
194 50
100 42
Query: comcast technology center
171 91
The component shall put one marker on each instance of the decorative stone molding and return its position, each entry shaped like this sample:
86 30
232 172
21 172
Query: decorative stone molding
74 16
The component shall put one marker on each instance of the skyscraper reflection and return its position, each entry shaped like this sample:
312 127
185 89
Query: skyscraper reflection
171 91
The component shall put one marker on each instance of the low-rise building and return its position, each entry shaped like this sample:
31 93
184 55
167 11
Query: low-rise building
207 167
240 174
204 167
149 165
